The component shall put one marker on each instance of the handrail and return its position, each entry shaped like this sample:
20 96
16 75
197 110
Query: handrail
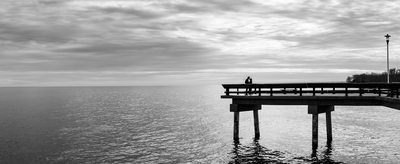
313 89
310 85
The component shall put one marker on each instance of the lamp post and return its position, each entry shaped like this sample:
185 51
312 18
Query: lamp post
387 52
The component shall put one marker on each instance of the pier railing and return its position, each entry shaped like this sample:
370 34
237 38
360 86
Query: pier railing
313 89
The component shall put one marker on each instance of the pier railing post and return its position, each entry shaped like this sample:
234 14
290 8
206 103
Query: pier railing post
379 91
313 91
236 126
256 125
301 91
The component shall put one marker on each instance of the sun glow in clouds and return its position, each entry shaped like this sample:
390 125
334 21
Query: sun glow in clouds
146 5
255 35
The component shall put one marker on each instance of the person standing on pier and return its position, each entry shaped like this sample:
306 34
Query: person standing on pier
248 81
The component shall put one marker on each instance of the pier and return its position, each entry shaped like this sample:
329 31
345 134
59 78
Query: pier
321 98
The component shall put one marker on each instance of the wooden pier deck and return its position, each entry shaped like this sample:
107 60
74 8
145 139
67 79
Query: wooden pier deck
320 98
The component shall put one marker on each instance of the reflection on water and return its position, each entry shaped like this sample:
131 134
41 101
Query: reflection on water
256 153
326 155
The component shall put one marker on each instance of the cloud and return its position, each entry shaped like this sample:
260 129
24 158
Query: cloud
141 42
50 33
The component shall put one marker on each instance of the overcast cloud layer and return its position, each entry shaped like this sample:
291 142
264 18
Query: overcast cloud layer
174 42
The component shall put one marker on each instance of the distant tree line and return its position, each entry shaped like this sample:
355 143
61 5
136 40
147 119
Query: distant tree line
375 77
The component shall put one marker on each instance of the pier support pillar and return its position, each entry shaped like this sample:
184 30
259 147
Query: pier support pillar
236 109
328 127
315 110
314 132
256 125
236 126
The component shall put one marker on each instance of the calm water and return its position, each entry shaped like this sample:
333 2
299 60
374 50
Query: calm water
179 125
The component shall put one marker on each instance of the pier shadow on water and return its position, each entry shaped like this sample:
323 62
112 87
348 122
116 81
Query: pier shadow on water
256 153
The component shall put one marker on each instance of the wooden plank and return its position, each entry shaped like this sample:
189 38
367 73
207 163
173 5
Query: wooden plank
293 92
307 100
319 100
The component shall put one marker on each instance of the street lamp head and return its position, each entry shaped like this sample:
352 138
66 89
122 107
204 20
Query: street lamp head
387 37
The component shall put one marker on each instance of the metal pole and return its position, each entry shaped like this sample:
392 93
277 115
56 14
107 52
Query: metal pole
387 51
387 36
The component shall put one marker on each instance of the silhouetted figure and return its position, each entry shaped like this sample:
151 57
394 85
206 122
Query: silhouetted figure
248 81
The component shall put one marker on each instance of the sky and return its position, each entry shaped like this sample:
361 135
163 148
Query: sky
188 42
